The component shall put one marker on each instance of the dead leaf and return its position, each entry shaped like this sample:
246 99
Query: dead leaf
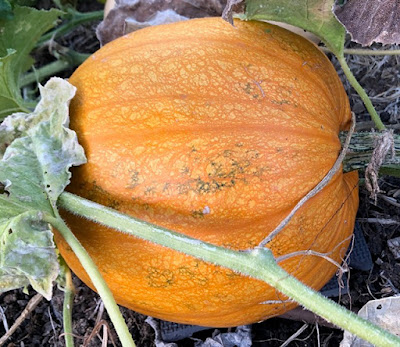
232 6
130 15
383 312
371 21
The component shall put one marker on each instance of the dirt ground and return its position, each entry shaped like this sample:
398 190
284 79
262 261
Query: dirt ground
379 223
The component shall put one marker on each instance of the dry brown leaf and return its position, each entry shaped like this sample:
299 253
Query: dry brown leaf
130 15
371 21
383 312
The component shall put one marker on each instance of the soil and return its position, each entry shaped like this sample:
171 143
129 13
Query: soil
43 326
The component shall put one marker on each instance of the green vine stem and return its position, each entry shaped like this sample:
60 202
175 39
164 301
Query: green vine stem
69 292
258 263
360 152
364 51
77 18
96 278
68 59
361 51
361 92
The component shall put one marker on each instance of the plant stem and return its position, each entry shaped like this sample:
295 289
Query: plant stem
360 151
67 309
259 263
77 19
363 51
361 92
96 278
45 71
71 59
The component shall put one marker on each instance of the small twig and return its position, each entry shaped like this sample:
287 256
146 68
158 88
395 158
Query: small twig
100 312
4 319
25 313
294 336
99 319
318 336
382 221
389 200
316 189
309 252
52 323
102 324
389 283
274 302
345 268
306 316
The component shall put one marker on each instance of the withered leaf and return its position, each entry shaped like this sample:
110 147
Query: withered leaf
130 15
371 21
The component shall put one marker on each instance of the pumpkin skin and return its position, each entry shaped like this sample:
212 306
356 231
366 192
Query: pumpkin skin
215 132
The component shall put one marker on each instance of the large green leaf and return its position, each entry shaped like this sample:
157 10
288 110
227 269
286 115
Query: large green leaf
33 173
315 16
18 37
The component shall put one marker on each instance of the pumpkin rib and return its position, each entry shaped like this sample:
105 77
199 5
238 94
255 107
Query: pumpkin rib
216 129
307 122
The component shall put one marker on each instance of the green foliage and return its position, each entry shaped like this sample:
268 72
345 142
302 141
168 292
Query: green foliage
18 37
34 171
5 10
315 16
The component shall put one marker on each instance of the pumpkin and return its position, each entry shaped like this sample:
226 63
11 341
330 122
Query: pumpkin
215 132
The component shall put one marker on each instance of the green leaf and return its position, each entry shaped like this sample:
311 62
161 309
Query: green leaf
5 10
18 38
27 256
33 173
24 2
315 16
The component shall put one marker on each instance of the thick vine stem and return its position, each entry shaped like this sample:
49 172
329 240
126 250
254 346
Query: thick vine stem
361 92
96 278
69 292
361 149
77 18
67 59
259 263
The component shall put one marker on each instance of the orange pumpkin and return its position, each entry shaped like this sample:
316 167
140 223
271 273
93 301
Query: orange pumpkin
215 132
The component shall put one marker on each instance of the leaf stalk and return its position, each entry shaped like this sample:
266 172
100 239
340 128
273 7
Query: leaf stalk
77 18
69 292
361 92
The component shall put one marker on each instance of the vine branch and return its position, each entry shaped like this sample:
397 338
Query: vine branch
69 292
95 277
259 263
361 92
316 189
